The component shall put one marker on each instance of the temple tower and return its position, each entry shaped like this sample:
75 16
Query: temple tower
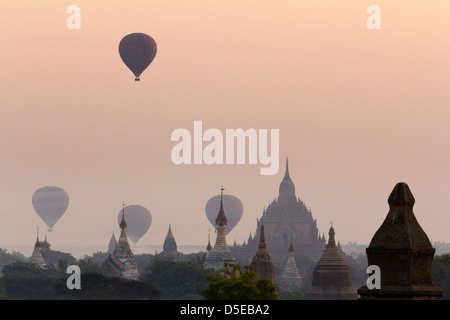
290 278
36 256
220 254
331 277
209 247
122 259
112 243
403 252
286 219
262 263
170 249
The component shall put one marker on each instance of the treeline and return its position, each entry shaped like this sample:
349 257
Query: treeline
159 279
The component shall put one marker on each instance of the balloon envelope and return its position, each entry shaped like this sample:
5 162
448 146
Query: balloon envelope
232 207
50 203
137 51
138 220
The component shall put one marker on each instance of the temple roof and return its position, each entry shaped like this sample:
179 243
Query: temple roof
169 243
400 228
331 255
287 187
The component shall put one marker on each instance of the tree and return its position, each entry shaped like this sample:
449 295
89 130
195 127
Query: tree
26 280
441 274
95 286
233 283
176 280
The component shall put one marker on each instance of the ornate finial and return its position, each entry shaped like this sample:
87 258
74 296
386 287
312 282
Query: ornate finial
331 235
123 224
221 219
287 166
37 244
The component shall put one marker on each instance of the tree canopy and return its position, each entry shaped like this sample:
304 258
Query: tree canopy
233 283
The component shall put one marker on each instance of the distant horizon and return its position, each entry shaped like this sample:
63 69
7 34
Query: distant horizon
80 251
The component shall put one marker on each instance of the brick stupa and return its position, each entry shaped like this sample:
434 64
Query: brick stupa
262 263
331 277
403 252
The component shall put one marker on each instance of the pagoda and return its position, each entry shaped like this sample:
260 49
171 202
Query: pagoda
403 252
331 277
122 259
170 250
36 256
112 243
286 220
290 278
220 253
262 263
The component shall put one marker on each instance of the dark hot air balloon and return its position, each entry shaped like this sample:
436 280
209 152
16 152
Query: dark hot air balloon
138 220
232 207
137 51
50 203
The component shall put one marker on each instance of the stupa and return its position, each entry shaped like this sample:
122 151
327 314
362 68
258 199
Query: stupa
331 277
262 263
403 252
220 253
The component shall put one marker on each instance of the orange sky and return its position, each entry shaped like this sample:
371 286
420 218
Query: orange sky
358 111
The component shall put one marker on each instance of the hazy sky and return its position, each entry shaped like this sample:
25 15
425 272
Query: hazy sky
358 110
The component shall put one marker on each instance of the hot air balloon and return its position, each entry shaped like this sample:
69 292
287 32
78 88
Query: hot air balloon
232 207
50 203
137 51
138 220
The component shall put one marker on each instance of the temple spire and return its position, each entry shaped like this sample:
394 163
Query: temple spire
123 224
290 278
36 256
262 263
287 188
287 167
38 244
221 219
220 254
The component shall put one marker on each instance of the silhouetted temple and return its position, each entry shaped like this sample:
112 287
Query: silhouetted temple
286 218
290 278
112 243
331 277
220 253
170 250
122 259
262 263
209 247
36 256
403 252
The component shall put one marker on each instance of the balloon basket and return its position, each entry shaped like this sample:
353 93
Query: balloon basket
137 79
